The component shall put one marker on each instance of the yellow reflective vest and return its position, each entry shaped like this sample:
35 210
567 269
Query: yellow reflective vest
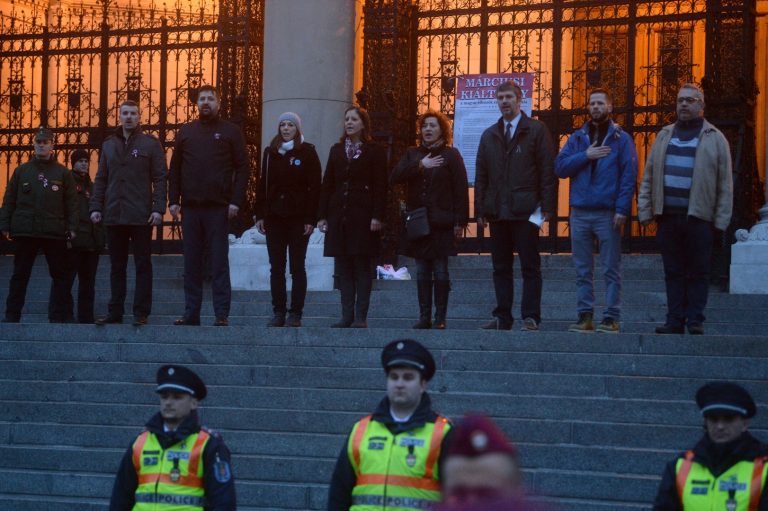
169 479
737 489
395 472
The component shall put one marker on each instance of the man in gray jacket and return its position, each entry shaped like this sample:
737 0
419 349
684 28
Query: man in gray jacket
129 197
515 176
687 189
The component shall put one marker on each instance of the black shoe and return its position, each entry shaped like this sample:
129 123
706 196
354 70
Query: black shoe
109 320
422 324
668 328
140 320
342 323
277 320
497 324
11 319
293 320
186 322
360 323
221 321
696 329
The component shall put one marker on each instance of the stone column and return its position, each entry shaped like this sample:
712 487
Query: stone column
309 57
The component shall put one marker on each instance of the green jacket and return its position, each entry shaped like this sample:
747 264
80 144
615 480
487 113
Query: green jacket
90 236
40 201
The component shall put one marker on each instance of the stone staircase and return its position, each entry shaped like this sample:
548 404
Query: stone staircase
595 416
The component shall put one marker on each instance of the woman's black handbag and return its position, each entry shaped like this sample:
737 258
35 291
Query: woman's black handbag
416 223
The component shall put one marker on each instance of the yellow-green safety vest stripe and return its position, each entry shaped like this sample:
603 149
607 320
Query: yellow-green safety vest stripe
169 479
395 471
741 484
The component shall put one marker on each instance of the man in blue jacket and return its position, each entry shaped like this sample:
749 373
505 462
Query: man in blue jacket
601 161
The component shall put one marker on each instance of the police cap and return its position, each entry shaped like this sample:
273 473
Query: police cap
43 133
725 397
181 379
407 352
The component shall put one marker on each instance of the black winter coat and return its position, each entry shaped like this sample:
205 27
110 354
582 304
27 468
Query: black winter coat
520 172
353 192
209 166
290 184
130 183
443 190
218 478
90 236
744 448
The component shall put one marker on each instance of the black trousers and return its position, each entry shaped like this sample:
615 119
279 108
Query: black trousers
119 238
287 234
355 284
206 227
507 237
23 261
83 265
685 243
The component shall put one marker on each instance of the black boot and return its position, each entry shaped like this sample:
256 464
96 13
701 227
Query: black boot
424 292
442 289
347 289
363 287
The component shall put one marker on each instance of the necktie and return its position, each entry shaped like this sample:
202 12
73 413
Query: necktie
508 132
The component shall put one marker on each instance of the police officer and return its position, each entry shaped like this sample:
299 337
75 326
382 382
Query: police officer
392 458
725 470
39 212
175 463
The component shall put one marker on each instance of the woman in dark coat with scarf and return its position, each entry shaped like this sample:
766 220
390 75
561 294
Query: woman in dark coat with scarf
436 179
352 205
286 205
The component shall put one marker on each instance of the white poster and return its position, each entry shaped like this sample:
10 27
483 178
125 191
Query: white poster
475 109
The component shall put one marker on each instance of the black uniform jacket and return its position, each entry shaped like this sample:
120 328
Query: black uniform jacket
443 190
130 183
519 174
353 192
344 478
289 186
209 166
40 201
718 458
219 496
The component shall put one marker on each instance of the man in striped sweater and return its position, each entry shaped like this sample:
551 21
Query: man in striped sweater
687 189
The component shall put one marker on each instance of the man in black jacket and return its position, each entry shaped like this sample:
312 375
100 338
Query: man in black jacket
208 177
726 469
394 456
514 178
174 460
129 197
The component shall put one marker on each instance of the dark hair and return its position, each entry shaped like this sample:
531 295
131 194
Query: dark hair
365 135
510 85
129 102
442 121
208 88
278 139
599 90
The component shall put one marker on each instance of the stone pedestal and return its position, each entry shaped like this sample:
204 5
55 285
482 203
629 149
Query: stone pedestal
749 258
249 264
309 51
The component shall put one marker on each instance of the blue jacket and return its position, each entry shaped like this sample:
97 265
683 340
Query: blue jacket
612 184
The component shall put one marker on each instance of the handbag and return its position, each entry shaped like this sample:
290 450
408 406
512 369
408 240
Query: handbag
416 223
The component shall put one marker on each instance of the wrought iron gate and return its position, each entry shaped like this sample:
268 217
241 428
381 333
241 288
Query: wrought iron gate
70 69
640 50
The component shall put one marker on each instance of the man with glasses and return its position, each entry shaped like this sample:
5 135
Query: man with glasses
687 190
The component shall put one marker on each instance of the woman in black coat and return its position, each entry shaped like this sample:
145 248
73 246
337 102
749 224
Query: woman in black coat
351 208
436 178
286 205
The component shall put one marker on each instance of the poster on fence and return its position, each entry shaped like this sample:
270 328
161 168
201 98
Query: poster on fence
475 109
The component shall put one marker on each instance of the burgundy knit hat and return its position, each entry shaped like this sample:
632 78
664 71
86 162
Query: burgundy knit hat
476 435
